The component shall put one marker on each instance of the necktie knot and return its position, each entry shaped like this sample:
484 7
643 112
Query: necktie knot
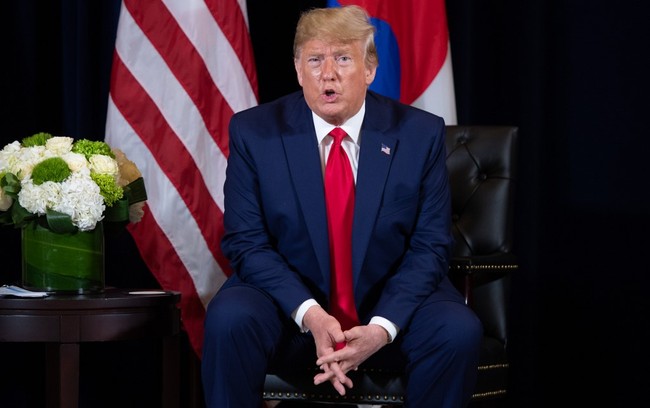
338 134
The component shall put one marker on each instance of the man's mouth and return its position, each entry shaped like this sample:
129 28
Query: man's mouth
329 92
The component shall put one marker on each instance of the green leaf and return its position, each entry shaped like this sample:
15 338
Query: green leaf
118 212
59 222
11 185
135 191
19 215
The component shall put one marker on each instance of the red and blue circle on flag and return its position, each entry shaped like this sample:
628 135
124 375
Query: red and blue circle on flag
412 43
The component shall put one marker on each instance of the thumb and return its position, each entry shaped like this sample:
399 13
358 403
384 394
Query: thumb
338 337
351 334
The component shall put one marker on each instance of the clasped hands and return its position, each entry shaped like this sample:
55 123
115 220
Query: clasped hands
361 343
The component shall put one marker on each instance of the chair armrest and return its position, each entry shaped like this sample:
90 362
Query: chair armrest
467 272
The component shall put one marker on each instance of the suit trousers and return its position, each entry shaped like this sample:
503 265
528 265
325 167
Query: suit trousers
246 335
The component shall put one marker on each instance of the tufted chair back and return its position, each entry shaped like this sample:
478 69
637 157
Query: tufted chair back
482 163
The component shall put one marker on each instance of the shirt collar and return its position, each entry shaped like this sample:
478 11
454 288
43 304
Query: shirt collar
352 126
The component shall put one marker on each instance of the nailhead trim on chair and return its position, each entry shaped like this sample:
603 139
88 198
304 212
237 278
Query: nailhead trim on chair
335 397
493 366
379 398
391 399
473 266
490 394
493 266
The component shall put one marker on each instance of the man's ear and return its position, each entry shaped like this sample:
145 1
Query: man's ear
370 75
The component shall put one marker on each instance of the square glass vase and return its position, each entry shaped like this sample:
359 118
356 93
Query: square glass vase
69 263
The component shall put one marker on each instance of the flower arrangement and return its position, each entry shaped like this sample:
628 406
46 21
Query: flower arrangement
72 185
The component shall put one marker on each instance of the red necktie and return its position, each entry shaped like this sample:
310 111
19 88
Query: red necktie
339 197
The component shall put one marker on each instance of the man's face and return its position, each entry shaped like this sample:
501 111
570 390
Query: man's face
334 78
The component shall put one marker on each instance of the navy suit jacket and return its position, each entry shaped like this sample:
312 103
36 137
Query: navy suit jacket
275 220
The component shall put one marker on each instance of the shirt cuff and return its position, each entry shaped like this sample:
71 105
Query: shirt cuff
390 327
299 313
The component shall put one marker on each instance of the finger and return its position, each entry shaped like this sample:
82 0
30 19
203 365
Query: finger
347 366
340 375
333 357
347 382
337 336
338 387
351 334
324 377
332 374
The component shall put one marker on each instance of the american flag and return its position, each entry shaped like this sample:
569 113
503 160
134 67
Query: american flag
181 68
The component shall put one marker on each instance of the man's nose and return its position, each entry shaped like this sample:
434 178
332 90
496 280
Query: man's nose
329 69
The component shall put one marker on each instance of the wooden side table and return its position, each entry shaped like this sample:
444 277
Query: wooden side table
63 322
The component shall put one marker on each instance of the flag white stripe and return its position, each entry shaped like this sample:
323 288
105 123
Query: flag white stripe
178 109
163 200
440 96
244 10
222 62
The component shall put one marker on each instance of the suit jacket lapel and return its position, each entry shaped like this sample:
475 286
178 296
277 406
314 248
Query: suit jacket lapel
374 164
303 160
375 156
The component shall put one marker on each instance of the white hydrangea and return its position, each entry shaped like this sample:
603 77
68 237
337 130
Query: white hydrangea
20 160
38 198
81 200
27 158
8 157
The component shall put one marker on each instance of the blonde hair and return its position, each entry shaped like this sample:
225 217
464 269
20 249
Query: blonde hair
337 24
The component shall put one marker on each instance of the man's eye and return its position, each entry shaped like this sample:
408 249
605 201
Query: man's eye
313 61
343 59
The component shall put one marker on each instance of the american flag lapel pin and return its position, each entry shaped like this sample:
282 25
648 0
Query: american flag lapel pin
385 149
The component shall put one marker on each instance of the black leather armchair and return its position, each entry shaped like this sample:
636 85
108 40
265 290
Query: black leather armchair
482 168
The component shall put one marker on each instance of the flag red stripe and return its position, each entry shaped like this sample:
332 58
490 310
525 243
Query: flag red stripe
228 15
162 260
144 117
188 67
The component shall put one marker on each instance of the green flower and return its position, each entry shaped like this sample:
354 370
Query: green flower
108 188
37 139
89 147
53 169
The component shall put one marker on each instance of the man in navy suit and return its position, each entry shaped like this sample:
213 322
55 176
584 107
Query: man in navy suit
274 311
